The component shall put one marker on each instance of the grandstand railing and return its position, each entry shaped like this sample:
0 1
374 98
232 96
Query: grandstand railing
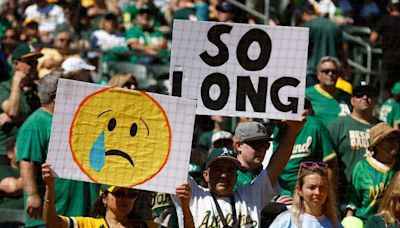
358 37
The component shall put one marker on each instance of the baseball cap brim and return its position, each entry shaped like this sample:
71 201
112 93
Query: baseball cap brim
31 55
226 158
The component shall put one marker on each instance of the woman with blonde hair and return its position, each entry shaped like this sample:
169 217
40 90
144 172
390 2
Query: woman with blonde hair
313 201
389 209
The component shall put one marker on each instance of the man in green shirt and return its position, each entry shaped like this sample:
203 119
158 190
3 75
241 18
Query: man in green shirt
313 143
73 198
325 39
18 95
350 133
390 109
142 37
328 101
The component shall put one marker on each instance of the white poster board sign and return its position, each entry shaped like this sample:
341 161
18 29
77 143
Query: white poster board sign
121 137
240 69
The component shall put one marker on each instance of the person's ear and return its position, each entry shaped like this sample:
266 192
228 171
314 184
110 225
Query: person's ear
104 198
206 176
237 147
298 190
10 154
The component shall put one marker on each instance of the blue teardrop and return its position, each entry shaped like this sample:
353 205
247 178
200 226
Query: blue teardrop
97 154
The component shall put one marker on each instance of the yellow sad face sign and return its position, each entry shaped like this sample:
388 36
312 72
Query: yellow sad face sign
120 137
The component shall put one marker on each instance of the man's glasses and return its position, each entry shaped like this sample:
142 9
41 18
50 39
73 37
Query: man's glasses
258 144
125 194
309 165
64 40
369 94
332 71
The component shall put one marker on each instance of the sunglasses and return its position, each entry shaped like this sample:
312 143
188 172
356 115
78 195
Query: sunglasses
258 144
309 165
123 194
332 71
64 40
369 94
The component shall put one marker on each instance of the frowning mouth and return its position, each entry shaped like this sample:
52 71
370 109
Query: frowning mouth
120 153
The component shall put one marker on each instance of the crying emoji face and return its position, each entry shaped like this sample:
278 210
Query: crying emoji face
120 137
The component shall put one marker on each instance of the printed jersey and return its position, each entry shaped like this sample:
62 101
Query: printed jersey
390 112
313 143
249 201
327 107
370 180
350 140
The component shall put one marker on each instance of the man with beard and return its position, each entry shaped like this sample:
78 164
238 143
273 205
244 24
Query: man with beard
18 95
222 206
143 38
350 134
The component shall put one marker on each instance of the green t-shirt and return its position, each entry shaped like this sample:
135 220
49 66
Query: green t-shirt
326 107
73 198
243 178
370 180
350 140
28 103
146 38
377 221
390 112
313 143
4 25
6 201
325 40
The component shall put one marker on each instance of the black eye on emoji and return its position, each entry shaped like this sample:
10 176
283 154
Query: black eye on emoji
111 124
133 130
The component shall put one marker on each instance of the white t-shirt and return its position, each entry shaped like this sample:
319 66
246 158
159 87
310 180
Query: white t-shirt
48 17
249 201
105 40
286 220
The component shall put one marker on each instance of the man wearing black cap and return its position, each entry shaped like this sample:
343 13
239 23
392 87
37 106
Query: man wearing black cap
350 133
220 205
18 95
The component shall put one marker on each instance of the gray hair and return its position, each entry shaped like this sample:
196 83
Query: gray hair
48 86
331 59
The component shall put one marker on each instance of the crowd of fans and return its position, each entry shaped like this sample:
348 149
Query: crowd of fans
337 168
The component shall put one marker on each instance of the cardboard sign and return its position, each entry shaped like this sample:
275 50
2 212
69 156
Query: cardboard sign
240 69
121 137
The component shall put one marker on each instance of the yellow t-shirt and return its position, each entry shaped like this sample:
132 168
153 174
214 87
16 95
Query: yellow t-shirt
85 222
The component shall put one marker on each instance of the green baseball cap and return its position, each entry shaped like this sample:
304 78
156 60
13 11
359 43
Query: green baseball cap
24 52
396 89
223 153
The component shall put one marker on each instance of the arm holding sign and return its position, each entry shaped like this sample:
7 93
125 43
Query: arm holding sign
49 209
184 193
281 156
